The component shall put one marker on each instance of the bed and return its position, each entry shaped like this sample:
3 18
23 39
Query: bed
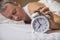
24 32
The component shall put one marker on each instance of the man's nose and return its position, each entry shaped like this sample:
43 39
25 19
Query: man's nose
16 18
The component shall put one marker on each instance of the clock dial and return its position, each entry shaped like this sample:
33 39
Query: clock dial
35 24
40 24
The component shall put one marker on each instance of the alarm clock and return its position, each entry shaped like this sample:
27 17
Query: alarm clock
40 23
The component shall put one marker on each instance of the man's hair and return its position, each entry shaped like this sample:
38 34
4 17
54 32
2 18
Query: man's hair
3 2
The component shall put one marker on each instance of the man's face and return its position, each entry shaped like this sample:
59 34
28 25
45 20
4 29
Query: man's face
13 12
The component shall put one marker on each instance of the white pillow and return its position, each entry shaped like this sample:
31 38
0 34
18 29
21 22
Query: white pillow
6 20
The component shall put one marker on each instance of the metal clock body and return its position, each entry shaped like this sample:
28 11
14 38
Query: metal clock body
40 24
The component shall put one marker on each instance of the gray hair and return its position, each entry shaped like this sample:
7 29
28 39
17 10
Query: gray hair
3 2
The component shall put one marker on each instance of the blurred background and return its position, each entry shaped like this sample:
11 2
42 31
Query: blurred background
24 2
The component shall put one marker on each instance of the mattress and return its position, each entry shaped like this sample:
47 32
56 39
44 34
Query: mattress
24 32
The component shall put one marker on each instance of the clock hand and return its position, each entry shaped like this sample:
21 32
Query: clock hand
39 25
39 22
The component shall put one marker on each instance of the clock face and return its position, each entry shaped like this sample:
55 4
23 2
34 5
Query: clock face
40 24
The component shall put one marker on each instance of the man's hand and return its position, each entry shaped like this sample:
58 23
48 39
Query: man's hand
46 11
54 19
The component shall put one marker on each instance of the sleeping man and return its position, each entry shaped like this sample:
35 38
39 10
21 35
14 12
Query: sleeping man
15 12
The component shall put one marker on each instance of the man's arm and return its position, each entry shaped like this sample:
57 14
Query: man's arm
54 20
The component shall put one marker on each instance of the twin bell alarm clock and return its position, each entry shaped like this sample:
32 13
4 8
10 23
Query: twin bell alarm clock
40 23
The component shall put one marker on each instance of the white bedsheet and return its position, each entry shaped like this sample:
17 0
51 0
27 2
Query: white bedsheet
24 32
